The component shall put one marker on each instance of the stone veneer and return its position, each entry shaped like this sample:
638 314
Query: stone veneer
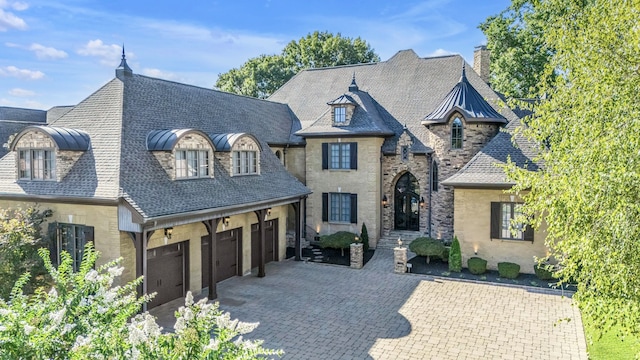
39 140
190 141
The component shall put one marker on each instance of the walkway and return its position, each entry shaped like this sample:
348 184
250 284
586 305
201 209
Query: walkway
317 311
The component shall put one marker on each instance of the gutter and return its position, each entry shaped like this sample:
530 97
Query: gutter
61 199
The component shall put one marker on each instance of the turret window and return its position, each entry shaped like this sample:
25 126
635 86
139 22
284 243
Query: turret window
456 134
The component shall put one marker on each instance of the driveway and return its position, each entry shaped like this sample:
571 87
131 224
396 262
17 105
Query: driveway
317 311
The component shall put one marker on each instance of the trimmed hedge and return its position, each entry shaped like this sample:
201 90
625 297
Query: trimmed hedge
477 265
425 246
508 270
455 257
542 273
339 240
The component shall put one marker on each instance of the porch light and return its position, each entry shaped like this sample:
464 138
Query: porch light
422 202
385 201
168 232
225 221
399 241
475 249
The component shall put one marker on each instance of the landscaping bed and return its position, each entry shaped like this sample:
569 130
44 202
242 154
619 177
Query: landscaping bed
437 267
329 256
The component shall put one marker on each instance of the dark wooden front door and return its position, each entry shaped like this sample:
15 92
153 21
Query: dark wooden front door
407 203
270 242
166 273
228 255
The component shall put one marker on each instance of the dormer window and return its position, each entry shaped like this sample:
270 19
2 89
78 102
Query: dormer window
245 162
340 114
192 164
456 133
36 164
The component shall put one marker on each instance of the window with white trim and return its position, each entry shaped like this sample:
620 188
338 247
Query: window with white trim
36 164
245 162
340 156
192 164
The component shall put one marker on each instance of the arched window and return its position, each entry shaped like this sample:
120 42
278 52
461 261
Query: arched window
456 133
434 176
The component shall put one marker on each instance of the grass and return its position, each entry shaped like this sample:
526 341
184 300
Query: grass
609 346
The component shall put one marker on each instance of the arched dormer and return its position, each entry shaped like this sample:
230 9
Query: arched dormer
238 152
47 153
183 153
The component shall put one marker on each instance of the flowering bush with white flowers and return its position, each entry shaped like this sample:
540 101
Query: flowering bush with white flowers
83 316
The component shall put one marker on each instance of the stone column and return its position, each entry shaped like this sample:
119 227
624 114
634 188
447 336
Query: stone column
400 260
357 252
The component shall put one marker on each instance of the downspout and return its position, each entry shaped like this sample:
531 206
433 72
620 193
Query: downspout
430 191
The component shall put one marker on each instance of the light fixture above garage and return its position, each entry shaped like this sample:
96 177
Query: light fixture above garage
168 232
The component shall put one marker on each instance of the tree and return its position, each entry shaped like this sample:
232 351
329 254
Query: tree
588 189
261 76
519 52
364 237
20 239
84 317
455 256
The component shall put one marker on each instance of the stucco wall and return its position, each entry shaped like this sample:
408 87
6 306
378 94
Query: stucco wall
365 181
473 225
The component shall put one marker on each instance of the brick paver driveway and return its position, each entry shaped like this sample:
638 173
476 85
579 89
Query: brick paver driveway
316 311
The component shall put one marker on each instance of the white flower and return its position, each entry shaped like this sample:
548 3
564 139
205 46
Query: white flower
56 317
67 328
188 300
81 341
91 276
28 329
53 293
115 271
246 327
180 325
213 344
5 312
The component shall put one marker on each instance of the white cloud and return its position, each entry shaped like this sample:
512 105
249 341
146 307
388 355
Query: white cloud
157 73
441 52
44 52
21 73
21 92
108 54
10 21
19 6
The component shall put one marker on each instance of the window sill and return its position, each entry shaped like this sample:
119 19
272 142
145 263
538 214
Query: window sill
341 170
256 174
193 178
339 222
512 240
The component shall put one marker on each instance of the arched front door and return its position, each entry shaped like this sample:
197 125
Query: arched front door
407 203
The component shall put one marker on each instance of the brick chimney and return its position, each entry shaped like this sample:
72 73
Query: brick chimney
481 62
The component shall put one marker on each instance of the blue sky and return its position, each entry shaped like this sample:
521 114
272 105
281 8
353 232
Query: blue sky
59 52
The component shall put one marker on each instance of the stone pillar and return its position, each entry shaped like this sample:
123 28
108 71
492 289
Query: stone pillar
357 252
400 260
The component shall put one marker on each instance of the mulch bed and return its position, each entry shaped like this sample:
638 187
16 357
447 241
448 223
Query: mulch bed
437 267
330 256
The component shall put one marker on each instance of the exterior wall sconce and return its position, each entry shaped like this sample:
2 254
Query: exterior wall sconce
475 249
168 232
267 214
225 222
422 202
385 201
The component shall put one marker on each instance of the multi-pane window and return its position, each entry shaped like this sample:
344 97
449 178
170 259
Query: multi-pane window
192 164
506 222
245 162
456 133
340 114
340 156
36 164
340 207
72 239
434 176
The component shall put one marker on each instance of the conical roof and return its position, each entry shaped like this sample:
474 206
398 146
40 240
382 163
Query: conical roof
465 99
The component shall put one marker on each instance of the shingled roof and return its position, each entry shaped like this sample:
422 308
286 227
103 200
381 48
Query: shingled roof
485 168
404 88
13 120
118 164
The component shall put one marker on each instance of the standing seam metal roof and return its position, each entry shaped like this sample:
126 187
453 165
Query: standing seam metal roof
165 140
65 138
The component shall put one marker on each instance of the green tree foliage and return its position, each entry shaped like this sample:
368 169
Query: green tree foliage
364 237
83 316
589 187
425 246
519 52
455 256
261 76
20 239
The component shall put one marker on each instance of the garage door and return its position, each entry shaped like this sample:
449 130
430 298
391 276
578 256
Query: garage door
228 261
166 273
271 242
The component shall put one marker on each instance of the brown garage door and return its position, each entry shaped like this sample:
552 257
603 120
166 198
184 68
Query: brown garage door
228 262
270 243
166 273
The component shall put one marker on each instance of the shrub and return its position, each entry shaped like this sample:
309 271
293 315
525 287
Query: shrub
425 246
477 265
542 272
84 317
340 240
445 254
455 257
364 237
508 270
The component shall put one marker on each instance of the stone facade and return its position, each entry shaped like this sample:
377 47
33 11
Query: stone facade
356 254
64 160
449 161
246 143
481 61
365 182
400 260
